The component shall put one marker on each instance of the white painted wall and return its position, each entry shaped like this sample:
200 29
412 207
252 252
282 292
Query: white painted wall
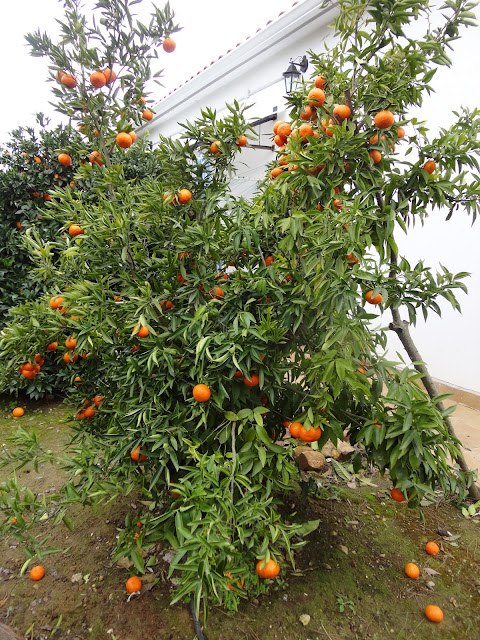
252 73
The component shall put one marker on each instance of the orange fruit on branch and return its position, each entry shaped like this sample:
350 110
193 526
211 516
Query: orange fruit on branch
37 573
316 97
141 332
284 130
240 582
401 132
184 196
135 455
217 293
412 570
124 140
132 135
89 412
373 300
242 141
215 147
75 230
276 125
384 119
375 155
275 172
147 115
320 82
252 381
295 429
98 79
96 158
52 346
64 159
169 45
342 112
269 569
430 166
68 81
56 302
201 393
110 75
71 343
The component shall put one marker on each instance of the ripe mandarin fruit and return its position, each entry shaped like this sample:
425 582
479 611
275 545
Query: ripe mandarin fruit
412 570
375 300
75 230
201 393
98 79
147 115
96 158
18 412
52 346
433 613
77 380
383 119
295 428
89 412
316 97
132 135
320 82
276 125
252 381
432 548
375 155
242 141
133 584
430 166
311 435
169 45
305 131
68 81
397 495
215 147
238 375
71 343
269 569
279 141
284 130
217 293
342 112
275 172
56 302
124 140
401 132
69 357
37 573
142 332
110 75
136 454
351 259
184 196
64 159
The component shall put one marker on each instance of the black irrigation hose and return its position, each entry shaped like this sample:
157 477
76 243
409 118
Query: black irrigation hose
196 623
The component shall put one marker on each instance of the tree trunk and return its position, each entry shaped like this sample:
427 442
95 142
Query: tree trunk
401 329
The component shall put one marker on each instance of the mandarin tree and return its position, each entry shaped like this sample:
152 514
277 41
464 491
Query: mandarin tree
213 325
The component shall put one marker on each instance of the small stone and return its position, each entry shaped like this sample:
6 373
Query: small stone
309 459
330 451
304 619
431 584
255 601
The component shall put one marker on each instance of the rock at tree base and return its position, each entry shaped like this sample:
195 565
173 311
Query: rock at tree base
308 459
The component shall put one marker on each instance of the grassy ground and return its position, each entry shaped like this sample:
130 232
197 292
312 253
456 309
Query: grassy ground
349 579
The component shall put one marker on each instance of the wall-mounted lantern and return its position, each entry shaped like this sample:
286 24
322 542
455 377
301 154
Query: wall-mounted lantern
294 71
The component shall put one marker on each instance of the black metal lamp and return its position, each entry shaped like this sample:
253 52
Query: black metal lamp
292 74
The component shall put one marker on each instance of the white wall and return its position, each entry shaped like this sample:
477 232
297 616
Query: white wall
252 74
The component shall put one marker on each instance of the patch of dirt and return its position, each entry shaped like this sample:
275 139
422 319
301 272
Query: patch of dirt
349 578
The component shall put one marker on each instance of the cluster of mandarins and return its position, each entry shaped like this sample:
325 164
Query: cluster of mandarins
91 406
283 131
30 370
